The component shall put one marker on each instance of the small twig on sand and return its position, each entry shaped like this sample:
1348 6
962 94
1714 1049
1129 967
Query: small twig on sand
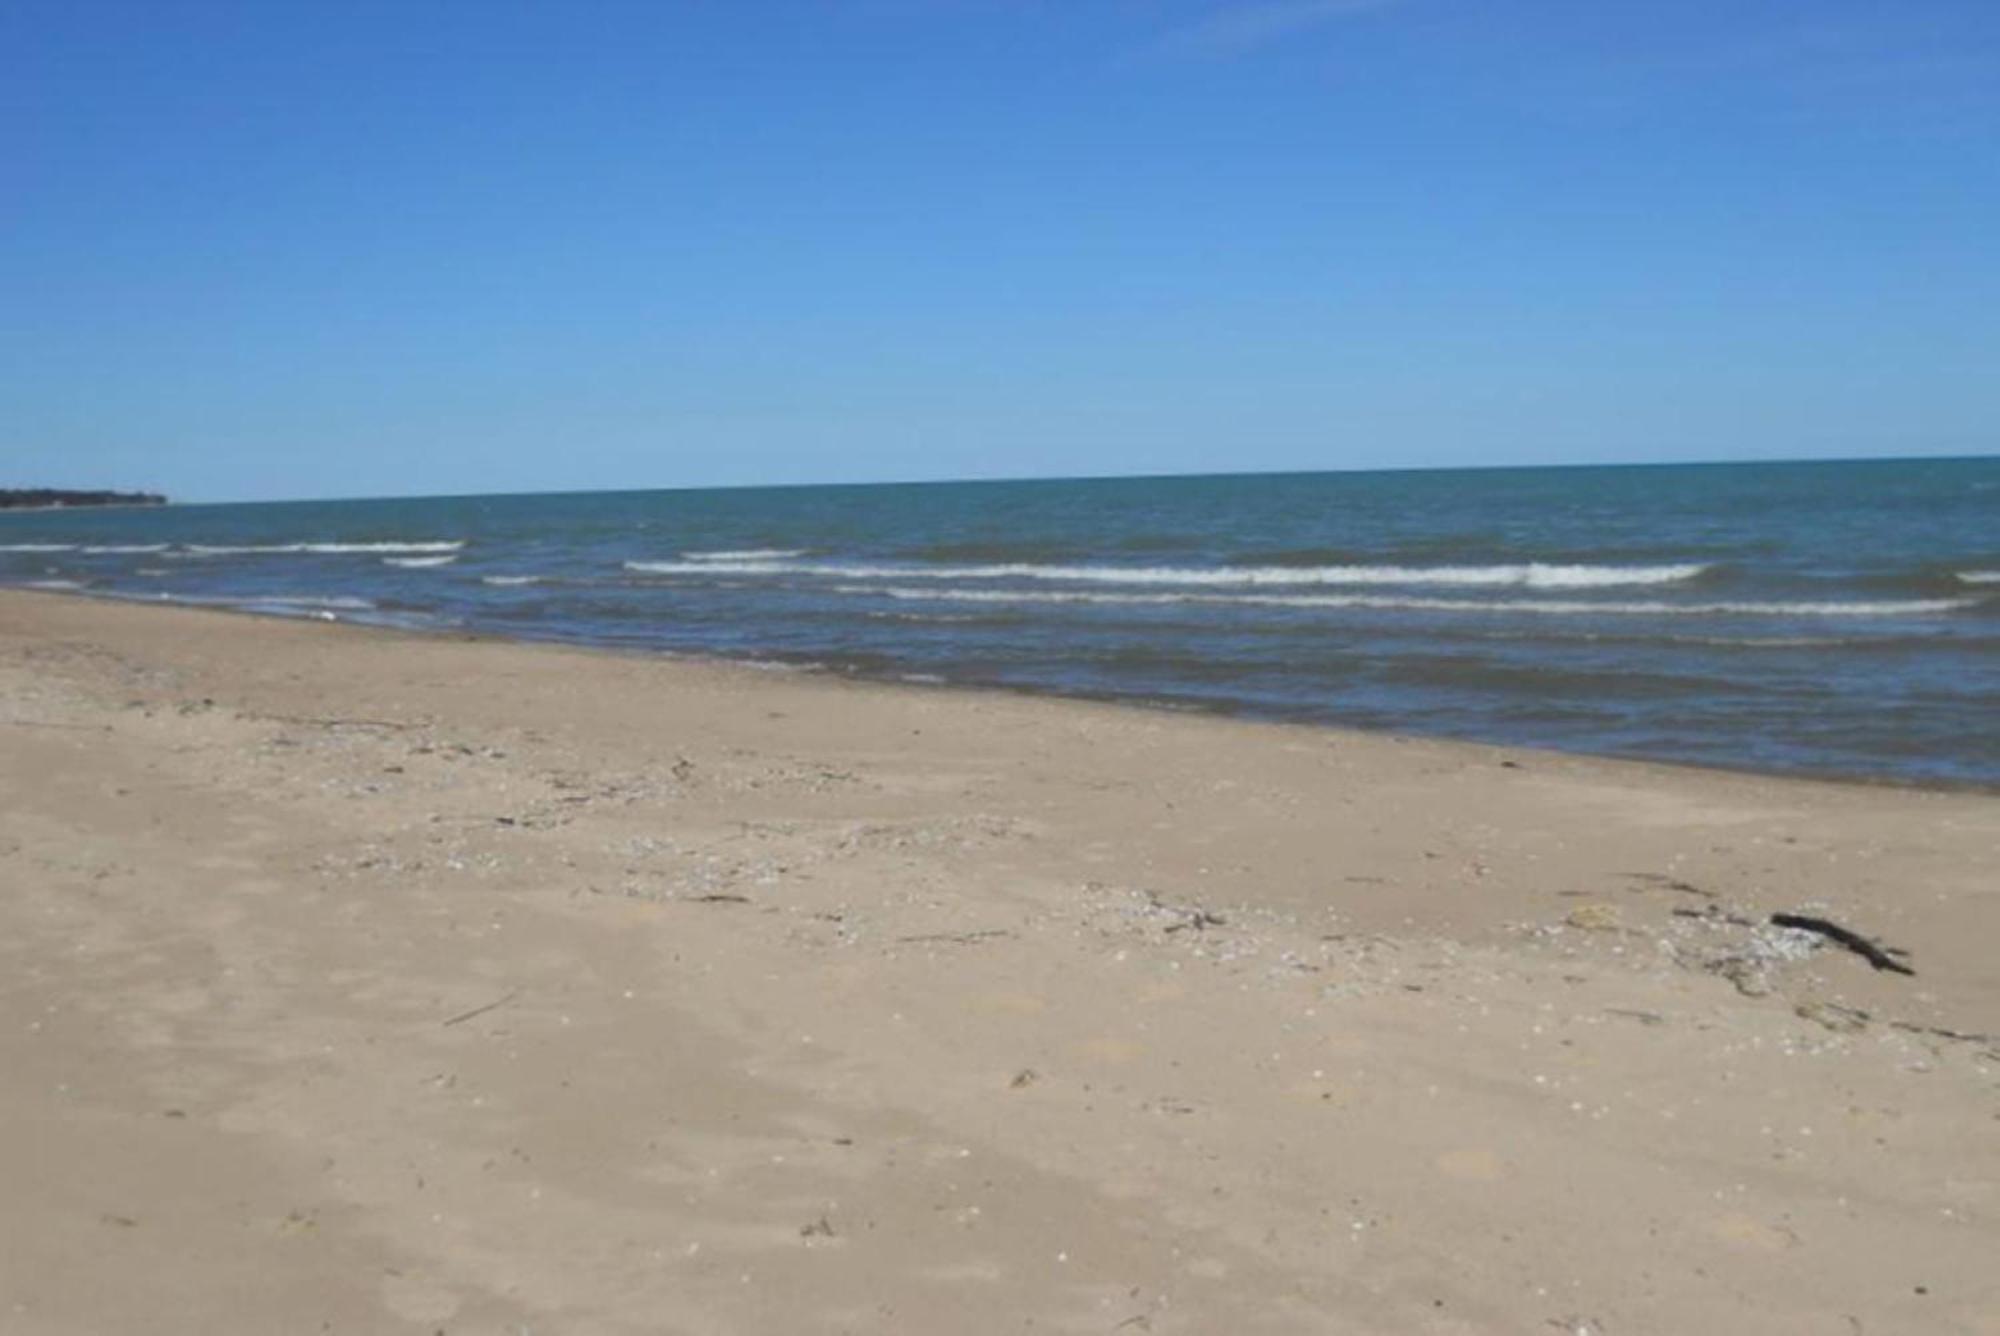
1881 957
962 938
718 898
1992 1041
465 1016
1667 883
337 723
1710 914
1196 920
1187 916
1634 1013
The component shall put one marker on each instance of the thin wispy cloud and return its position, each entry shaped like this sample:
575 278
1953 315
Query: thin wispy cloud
1238 30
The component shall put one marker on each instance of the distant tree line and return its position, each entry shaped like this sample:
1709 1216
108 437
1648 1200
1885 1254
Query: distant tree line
43 497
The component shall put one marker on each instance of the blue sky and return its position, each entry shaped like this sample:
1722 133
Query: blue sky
296 249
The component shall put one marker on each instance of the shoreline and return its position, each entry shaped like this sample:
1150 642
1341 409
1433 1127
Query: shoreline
399 980
1172 706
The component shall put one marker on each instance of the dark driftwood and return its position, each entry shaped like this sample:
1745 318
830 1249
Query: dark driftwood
1881 957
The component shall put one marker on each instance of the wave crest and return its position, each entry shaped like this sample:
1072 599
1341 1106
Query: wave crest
247 549
1531 575
747 554
1385 602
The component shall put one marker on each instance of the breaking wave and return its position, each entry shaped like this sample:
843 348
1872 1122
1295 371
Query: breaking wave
747 554
1532 575
217 550
338 603
1383 602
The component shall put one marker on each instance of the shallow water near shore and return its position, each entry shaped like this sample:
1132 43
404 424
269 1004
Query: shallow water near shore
1824 618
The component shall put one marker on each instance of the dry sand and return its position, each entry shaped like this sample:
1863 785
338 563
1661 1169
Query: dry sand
359 982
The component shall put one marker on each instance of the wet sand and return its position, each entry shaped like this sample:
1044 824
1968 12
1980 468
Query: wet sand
365 982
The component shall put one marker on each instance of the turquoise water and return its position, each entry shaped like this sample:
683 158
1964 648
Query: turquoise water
1823 618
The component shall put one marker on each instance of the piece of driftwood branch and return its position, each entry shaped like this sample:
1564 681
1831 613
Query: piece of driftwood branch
1940 1032
1667 883
1195 920
465 1016
961 938
1881 957
314 722
1188 917
1711 914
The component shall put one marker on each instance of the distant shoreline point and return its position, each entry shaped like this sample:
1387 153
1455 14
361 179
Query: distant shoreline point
53 498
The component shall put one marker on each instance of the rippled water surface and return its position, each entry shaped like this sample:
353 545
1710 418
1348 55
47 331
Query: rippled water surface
1828 618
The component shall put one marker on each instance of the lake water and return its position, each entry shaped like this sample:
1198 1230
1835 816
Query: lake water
1839 618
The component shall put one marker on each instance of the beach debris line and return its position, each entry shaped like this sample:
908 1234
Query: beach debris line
1881 957
1187 918
1855 1020
1766 942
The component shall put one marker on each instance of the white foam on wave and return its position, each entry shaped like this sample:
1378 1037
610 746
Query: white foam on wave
1531 575
1979 577
510 580
52 584
243 550
1417 603
419 563
37 547
333 603
748 554
332 549
102 548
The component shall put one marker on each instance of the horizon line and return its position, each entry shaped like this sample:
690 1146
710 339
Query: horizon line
172 502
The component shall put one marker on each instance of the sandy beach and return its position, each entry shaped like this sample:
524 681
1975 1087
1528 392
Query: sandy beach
366 982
